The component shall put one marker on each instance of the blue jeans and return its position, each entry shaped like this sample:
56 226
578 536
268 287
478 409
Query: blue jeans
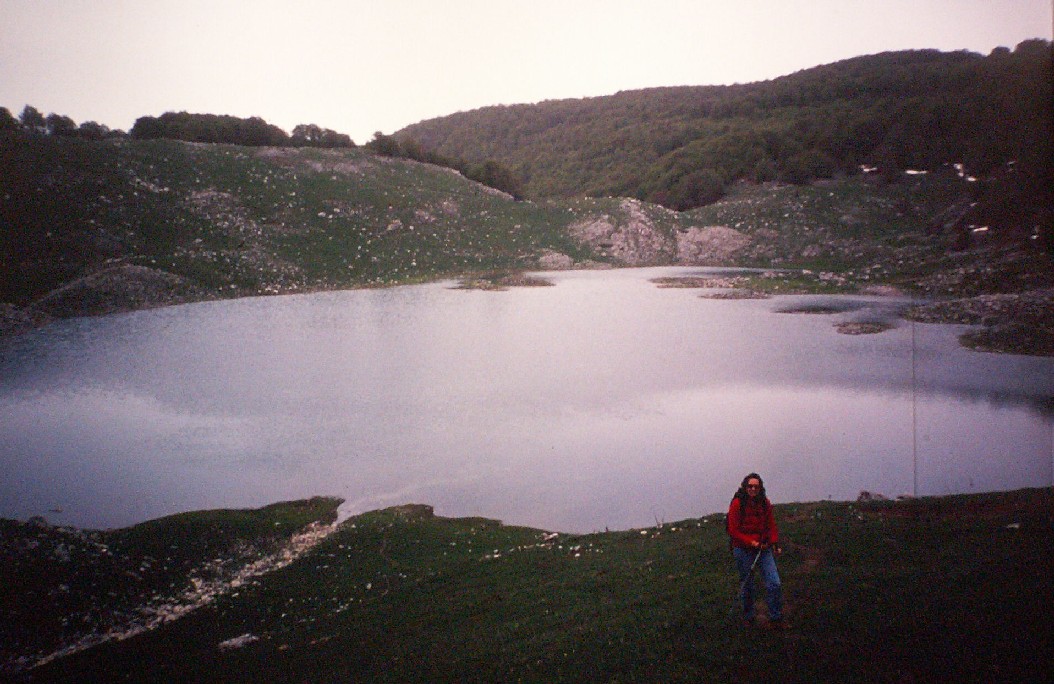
771 578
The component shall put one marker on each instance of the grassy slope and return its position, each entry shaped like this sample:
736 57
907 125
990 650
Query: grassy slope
951 587
868 232
233 221
60 585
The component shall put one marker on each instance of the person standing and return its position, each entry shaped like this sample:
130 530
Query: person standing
755 543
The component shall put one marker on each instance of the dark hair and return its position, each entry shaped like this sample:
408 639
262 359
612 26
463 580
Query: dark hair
742 493
744 498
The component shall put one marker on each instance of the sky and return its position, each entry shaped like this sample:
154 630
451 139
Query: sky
362 66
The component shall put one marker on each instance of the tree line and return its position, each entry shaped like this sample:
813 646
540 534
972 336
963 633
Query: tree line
488 172
32 120
203 128
232 130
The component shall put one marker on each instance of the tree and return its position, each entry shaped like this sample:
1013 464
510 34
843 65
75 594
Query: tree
807 166
8 122
307 135
311 135
384 145
58 124
147 128
33 120
696 189
494 175
93 131
334 139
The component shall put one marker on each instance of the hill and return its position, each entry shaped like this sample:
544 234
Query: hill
188 221
684 147
876 591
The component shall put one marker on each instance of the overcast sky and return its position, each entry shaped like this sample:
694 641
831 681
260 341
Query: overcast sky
360 66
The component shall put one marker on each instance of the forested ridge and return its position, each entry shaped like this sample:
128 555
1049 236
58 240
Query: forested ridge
682 147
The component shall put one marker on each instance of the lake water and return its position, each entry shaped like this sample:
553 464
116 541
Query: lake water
602 402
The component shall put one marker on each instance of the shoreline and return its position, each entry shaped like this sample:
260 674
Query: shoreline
319 581
1015 323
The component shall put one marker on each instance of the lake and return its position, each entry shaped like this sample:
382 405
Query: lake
602 402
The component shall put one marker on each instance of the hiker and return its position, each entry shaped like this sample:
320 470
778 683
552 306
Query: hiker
755 543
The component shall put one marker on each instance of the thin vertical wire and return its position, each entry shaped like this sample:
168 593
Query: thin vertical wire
914 420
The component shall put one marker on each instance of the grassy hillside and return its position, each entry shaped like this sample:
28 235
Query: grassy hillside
227 221
952 588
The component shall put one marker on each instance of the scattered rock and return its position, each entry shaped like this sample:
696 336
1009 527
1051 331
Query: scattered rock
550 260
237 642
878 290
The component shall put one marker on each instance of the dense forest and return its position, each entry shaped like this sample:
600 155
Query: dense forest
682 147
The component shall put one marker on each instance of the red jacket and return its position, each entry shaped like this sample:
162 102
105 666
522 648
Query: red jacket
757 523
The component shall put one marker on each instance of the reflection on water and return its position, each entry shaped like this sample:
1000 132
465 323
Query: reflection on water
602 402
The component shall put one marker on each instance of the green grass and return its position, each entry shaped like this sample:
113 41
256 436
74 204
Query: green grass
950 587
237 220
832 226
59 584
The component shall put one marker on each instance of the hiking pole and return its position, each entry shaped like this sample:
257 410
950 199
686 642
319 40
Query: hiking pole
750 574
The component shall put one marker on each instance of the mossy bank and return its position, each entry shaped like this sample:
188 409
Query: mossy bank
878 591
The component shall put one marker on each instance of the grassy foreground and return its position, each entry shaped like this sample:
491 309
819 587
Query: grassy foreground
954 587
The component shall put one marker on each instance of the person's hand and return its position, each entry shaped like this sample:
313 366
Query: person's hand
755 544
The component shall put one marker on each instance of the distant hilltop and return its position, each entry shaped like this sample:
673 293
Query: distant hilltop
684 147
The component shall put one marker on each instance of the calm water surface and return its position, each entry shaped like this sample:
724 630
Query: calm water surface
602 402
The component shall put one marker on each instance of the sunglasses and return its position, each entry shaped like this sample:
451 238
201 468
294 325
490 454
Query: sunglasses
753 486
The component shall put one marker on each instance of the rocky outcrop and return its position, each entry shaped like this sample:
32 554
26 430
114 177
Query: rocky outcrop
629 237
710 245
635 235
